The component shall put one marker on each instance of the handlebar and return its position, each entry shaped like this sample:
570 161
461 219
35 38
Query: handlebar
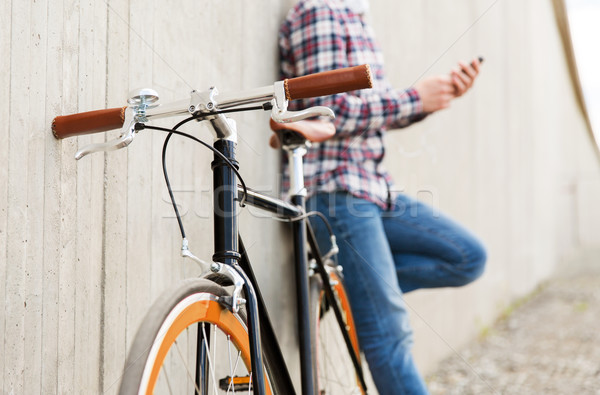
312 85
328 82
88 122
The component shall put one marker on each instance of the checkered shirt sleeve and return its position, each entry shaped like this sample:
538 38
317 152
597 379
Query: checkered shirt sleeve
321 35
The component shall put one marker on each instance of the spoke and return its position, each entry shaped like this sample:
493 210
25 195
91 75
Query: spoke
338 380
201 370
168 382
231 371
329 372
327 359
187 341
210 363
214 344
187 369
237 361
235 366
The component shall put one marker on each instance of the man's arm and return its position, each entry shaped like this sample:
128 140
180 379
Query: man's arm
316 41
437 92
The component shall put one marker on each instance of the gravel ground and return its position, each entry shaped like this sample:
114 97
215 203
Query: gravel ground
548 344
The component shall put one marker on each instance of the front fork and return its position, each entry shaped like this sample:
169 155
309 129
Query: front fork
226 248
226 235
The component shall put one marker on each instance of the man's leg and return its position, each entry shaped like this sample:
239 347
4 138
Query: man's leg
370 278
430 250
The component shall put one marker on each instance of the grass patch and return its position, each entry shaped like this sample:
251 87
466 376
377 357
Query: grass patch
485 332
505 313
519 302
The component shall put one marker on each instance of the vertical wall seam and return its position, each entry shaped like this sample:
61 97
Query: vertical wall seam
27 201
60 181
77 213
43 216
129 30
35 279
7 209
103 257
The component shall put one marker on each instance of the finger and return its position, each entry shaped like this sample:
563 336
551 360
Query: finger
476 64
450 90
460 86
446 85
444 79
468 70
465 79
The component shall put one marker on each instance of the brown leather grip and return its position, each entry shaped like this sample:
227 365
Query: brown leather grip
88 122
328 82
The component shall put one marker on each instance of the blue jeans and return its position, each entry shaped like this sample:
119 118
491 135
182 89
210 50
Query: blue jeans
386 253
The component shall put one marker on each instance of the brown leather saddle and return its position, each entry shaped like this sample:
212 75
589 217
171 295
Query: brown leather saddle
313 130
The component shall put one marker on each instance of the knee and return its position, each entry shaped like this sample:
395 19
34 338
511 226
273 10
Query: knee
473 265
382 332
397 342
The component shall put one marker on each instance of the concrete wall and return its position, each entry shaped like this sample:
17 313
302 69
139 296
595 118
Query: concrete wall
512 159
87 246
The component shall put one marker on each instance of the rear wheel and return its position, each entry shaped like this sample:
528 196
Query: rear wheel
334 370
189 343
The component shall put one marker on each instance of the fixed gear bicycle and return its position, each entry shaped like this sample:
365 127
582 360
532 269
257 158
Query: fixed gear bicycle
208 335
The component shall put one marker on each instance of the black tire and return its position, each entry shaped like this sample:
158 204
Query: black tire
182 321
334 370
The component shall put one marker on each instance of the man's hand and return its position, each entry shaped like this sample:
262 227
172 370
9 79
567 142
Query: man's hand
437 92
464 77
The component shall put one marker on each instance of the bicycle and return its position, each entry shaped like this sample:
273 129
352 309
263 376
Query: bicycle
221 314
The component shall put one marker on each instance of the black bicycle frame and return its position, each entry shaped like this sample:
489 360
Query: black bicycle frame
229 249
271 349
303 301
226 246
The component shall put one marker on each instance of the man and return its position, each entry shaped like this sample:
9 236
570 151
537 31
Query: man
389 243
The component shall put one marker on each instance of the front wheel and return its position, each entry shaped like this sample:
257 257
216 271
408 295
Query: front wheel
189 343
334 370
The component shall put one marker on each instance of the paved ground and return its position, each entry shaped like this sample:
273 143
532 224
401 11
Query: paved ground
548 345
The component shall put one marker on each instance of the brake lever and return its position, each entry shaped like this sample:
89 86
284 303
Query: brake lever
280 113
127 134
293 116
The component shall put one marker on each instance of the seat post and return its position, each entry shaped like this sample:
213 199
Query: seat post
295 146
295 163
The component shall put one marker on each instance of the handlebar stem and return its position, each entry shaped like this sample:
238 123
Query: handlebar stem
142 109
223 128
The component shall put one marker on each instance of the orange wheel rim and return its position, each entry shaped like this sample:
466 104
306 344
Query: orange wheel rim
201 311
346 308
345 304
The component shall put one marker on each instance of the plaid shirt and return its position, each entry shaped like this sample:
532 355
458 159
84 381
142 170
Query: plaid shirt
321 35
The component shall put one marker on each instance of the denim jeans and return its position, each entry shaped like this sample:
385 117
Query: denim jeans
385 253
